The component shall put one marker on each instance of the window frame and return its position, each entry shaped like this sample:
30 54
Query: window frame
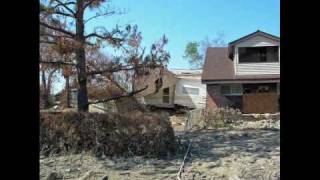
166 96
262 52
232 87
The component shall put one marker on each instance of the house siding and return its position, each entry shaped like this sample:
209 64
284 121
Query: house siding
256 68
157 98
192 101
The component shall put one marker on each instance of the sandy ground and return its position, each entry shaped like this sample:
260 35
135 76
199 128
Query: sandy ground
250 154
214 154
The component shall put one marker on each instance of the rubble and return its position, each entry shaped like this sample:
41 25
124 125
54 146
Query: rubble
261 124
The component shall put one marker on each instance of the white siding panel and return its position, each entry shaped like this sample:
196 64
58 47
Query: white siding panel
193 101
258 68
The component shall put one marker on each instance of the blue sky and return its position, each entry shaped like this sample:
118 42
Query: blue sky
183 21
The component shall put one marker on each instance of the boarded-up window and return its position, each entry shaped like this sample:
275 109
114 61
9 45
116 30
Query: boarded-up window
166 95
190 90
260 102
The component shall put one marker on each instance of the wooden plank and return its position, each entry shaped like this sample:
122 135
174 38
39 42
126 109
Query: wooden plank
260 102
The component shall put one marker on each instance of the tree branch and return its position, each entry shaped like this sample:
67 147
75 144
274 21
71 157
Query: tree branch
48 42
120 68
88 4
54 36
53 10
57 29
63 14
108 38
118 96
98 36
58 62
65 5
53 42
99 15
68 3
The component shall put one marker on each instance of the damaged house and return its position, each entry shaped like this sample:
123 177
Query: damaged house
165 89
151 81
244 75
180 88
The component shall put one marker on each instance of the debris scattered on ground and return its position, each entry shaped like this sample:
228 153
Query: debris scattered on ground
214 154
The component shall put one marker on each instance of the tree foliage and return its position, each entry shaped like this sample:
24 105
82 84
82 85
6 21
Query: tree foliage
193 55
195 51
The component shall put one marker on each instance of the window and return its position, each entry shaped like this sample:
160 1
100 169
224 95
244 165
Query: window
263 89
165 95
225 89
263 54
190 90
259 88
233 89
258 54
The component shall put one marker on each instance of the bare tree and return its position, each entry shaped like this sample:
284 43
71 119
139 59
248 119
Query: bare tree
48 74
61 14
62 24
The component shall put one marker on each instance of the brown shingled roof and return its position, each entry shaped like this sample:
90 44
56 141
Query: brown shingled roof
219 67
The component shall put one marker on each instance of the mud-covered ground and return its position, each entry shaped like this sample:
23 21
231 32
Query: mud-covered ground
242 153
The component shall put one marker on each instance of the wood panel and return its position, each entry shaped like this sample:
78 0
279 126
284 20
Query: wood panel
260 102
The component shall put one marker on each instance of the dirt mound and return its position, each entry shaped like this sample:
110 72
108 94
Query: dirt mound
135 133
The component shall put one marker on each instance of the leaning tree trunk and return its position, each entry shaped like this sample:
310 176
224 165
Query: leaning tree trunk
81 59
